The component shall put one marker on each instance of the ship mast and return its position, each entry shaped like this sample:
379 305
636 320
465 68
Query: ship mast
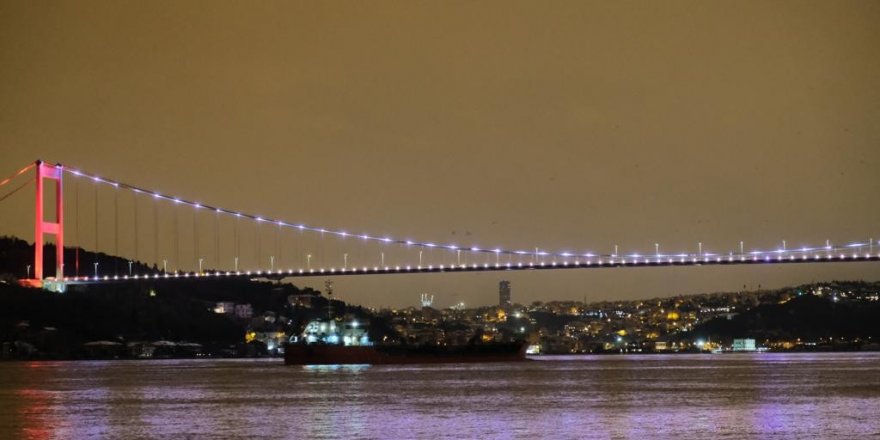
328 287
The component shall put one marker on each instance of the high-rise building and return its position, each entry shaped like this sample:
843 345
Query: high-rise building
427 300
504 293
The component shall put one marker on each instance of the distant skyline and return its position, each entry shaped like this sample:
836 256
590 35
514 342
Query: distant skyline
566 126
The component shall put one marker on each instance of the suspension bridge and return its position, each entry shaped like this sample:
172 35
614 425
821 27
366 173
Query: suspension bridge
150 228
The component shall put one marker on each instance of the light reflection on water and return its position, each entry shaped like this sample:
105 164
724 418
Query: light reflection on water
682 396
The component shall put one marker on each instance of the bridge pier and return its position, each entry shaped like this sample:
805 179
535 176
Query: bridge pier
41 226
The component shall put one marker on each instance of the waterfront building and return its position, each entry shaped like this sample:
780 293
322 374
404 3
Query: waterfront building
244 311
225 308
747 344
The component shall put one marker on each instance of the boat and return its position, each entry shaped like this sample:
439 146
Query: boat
331 342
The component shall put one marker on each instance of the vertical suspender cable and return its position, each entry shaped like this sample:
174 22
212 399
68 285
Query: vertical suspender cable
235 247
76 226
196 253
257 249
134 200
96 227
176 242
216 240
116 231
156 234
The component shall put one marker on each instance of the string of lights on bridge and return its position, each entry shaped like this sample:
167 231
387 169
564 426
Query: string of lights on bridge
540 259
849 252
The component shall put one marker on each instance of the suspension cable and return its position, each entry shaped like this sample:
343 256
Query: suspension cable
17 173
18 188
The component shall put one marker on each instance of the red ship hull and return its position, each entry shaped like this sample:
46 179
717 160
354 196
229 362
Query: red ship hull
318 354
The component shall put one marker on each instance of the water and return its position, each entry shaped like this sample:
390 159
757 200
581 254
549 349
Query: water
828 395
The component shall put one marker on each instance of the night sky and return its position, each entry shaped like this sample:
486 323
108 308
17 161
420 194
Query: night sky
564 125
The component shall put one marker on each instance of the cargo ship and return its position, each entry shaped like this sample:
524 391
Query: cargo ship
325 354
328 342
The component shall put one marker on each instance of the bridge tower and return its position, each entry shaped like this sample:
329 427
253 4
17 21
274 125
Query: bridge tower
41 226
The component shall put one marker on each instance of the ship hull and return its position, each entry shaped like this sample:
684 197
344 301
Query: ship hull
317 354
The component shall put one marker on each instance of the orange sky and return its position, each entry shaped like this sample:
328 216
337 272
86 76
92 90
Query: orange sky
565 125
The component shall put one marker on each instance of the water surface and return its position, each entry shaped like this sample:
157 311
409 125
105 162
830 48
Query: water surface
827 395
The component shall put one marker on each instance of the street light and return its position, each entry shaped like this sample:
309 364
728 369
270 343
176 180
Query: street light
309 261
345 261
96 269
129 267
28 271
200 264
